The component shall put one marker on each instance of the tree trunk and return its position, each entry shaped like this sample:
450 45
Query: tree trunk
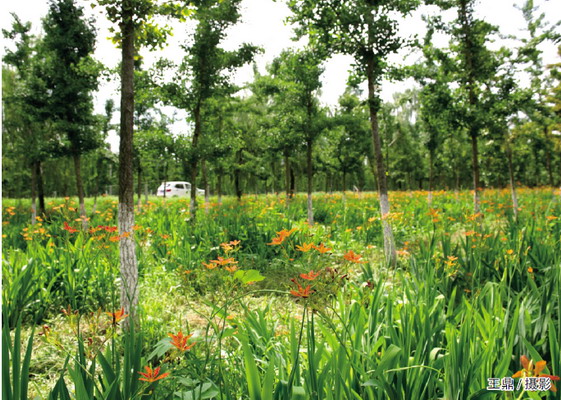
287 175
237 178
475 167
33 194
139 188
373 105
512 183
309 172
431 176
548 157
219 187
205 185
40 188
194 162
80 188
292 183
129 268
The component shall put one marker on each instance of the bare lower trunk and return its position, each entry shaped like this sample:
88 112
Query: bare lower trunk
389 244
40 188
205 185
431 161
127 255
287 176
219 188
80 189
33 194
139 189
194 162
475 167
512 184
145 193
310 181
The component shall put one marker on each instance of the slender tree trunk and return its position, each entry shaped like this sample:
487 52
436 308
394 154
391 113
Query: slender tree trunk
205 184
548 157
139 188
292 183
475 167
80 188
309 172
237 178
194 161
287 175
40 188
219 188
431 177
145 193
512 183
273 175
373 103
129 268
33 194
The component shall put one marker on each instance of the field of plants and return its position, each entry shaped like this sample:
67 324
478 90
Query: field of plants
252 303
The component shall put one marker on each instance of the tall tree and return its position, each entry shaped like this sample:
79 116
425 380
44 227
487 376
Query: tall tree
135 19
203 71
25 117
72 76
368 31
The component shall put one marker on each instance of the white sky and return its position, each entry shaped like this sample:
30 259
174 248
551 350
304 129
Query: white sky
263 25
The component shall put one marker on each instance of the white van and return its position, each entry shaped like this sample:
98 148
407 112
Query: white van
177 189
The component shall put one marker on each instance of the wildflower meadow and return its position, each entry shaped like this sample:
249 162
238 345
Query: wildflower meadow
251 302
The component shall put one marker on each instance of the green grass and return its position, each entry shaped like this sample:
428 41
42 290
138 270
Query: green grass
469 296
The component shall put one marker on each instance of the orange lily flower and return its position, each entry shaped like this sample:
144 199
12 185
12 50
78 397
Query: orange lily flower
305 247
69 228
180 341
234 242
321 248
301 292
224 261
531 370
210 265
232 268
310 275
117 316
152 375
353 257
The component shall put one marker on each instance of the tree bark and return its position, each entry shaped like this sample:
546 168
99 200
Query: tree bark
373 101
129 268
33 194
309 172
287 175
139 187
205 184
40 188
219 186
475 168
512 183
195 161
431 175
80 188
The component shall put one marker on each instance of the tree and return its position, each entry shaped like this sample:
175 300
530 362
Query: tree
367 31
136 21
203 72
25 117
71 77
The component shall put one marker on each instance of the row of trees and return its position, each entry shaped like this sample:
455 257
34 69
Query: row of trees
277 134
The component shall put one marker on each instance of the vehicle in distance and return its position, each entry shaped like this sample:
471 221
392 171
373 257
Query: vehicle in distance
176 189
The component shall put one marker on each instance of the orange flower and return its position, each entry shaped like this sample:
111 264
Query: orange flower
281 236
210 265
321 248
353 257
226 247
276 241
115 238
180 341
305 247
117 316
152 375
224 261
529 370
234 242
301 292
310 275
232 268
510 252
69 228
